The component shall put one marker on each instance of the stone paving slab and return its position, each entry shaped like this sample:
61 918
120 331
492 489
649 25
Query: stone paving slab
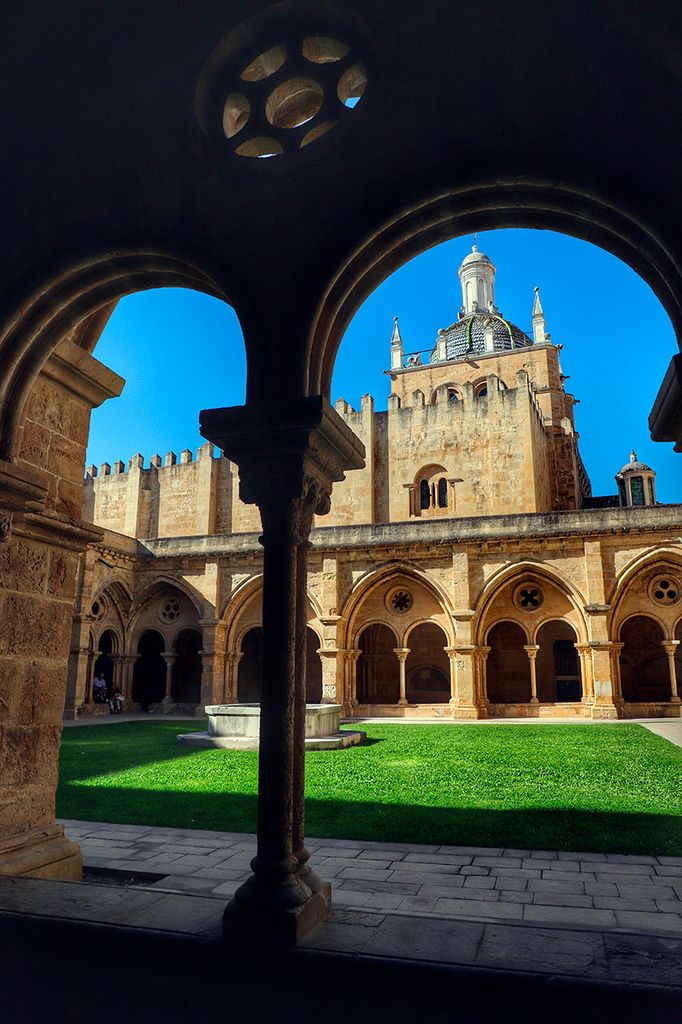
562 888
375 927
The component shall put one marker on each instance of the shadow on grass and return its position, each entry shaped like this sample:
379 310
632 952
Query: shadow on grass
548 829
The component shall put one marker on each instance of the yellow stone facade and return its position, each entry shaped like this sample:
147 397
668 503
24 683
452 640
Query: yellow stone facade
465 572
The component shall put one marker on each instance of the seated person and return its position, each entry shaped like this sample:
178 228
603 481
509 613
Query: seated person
99 690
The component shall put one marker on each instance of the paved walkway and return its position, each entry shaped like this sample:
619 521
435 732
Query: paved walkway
586 890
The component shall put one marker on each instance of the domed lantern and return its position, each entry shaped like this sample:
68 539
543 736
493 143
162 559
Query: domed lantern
636 483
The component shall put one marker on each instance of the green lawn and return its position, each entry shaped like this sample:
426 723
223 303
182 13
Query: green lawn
601 788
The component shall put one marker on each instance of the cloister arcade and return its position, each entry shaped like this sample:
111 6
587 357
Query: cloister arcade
398 646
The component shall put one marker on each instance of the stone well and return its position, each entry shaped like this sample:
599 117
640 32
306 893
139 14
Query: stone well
237 727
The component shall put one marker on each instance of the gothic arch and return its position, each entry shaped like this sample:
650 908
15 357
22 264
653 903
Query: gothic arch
238 622
352 622
500 204
630 589
167 582
69 299
507 576
372 577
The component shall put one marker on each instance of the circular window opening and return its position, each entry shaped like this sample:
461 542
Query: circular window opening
323 49
265 65
528 597
352 84
294 102
665 590
235 114
260 147
399 600
170 610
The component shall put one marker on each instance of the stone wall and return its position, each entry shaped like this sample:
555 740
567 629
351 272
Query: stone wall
40 551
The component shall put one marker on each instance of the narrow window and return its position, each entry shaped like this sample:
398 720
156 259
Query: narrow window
652 500
442 493
424 495
637 490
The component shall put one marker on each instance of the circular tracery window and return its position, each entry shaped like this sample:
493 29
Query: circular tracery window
528 597
399 600
665 590
290 95
169 609
99 609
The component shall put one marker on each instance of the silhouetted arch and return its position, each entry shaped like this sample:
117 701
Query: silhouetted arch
378 673
186 676
428 667
644 671
557 666
508 667
149 671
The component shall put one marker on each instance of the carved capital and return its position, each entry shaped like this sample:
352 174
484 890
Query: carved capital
288 458
5 524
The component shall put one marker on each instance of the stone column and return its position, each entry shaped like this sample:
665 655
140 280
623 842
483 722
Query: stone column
231 688
532 652
586 673
127 675
170 661
332 665
288 458
212 663
402 653
330 687
670 648
605 674
452 658
481 662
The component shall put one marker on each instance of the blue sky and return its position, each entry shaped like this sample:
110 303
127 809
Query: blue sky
181 351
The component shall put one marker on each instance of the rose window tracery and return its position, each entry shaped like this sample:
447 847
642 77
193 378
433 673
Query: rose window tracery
169 609
291 94
399 600
528 597
665 590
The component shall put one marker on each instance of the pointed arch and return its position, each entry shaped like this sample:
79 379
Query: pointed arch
507 575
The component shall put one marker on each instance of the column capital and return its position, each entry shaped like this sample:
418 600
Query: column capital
401 652
288 457
531 650
670 647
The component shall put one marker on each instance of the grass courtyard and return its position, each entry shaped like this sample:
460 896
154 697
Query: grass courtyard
602 788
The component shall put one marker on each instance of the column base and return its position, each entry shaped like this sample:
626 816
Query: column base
42 853
468 712
608 711
259 925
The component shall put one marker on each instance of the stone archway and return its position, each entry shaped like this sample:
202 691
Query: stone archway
104 665
186 672
149 670
508 667
644 669
557 664
427 667
378 676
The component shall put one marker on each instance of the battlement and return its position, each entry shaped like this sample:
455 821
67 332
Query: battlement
170 459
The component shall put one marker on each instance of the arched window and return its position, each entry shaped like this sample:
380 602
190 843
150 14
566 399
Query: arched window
431 494
482 391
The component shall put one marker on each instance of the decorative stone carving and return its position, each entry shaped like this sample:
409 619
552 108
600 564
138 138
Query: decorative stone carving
5 524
